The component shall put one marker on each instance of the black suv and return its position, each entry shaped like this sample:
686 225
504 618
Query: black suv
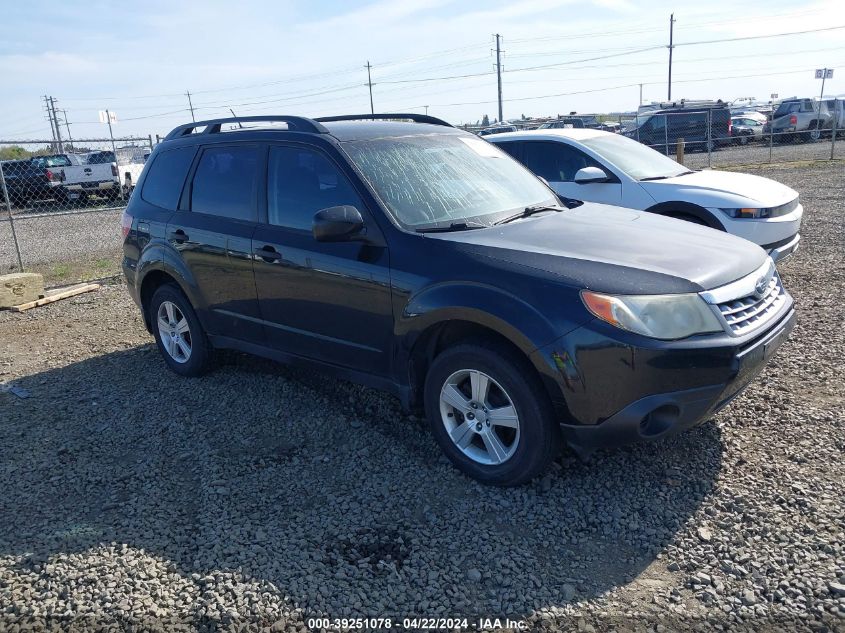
417 258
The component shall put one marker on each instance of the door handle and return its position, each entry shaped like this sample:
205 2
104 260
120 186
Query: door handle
268 253
179 236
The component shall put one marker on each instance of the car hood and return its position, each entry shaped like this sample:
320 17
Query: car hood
720 189
612 249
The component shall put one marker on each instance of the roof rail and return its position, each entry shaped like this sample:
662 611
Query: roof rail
212 126
416 118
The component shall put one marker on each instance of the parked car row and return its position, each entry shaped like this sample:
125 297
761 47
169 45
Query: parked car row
73 178
400 252
708 125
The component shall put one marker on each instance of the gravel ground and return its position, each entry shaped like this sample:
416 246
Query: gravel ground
261 494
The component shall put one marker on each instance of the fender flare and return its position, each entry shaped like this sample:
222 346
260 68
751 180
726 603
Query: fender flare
159 257
688 208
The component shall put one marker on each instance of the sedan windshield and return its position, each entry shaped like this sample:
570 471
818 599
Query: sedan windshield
633 158
440 179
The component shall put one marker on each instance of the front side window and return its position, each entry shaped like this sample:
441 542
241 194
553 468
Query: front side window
430 180
556 162
166 175
301 182
224 182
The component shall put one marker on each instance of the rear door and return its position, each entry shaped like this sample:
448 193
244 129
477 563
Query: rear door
558 163
325 301
212 229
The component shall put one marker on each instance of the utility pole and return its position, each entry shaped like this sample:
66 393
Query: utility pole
370 84
671 46
67 125
56 120
190 105
426 110
641 94
55 145
499 72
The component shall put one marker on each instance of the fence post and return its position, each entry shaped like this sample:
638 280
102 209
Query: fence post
11 219
679 151
709 138
833 132
665 134
152 147
771 137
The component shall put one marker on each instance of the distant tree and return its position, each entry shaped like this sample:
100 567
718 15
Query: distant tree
13 152
523 117
485 120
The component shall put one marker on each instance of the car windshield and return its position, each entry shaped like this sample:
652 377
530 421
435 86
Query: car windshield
635 159
440 179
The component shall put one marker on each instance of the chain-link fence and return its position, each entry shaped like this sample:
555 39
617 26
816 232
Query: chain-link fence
713 137
60 205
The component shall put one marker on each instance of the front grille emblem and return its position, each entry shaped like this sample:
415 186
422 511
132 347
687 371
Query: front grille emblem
761 286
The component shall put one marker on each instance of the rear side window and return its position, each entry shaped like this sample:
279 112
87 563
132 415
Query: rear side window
166 177
301 182
224 183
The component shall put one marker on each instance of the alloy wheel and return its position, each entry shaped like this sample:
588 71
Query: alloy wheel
479 417
174 331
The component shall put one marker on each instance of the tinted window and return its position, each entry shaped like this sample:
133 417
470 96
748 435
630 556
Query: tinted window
100 158
511 148
300 182
224 183
556 162
166 176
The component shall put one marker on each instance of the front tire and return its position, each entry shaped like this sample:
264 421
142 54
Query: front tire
490 415
178 332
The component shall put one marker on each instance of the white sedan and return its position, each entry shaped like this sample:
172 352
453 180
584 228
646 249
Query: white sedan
597 166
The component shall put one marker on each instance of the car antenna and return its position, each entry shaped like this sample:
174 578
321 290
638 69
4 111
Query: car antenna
236 116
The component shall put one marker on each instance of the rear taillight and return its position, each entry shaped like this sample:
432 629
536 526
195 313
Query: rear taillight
55 176
793 120
730 127
125 224
114 169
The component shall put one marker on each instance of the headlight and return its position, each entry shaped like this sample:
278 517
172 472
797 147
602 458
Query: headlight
747 213
658 316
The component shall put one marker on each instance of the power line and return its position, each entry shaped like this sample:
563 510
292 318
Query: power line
760 37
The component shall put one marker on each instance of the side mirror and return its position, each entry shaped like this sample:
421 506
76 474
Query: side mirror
587 175
337 224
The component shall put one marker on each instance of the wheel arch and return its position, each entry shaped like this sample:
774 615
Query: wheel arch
687 208
157 267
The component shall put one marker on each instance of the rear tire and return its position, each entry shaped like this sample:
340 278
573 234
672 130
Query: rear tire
178 333
504 433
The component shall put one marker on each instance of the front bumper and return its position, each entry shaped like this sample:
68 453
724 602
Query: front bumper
618 393
779 251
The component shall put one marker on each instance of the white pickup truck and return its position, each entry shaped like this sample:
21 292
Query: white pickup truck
80 175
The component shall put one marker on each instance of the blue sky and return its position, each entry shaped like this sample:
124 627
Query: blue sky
300 57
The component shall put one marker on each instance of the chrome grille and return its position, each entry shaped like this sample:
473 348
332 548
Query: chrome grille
747 313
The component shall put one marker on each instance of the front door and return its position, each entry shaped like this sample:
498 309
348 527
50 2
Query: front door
325 301
558 163
214 235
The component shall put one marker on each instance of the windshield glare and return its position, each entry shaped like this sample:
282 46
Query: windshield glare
438 179
633 158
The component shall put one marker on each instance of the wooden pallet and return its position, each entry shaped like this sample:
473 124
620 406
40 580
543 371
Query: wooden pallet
54 296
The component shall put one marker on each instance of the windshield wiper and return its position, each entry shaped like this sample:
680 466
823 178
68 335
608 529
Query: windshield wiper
454 226
529 211
683 173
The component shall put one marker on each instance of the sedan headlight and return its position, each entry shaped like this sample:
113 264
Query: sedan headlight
747 213
664 317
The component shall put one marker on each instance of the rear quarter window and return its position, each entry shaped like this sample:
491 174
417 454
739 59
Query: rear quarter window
166 177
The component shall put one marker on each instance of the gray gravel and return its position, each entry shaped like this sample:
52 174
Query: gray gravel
261 494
